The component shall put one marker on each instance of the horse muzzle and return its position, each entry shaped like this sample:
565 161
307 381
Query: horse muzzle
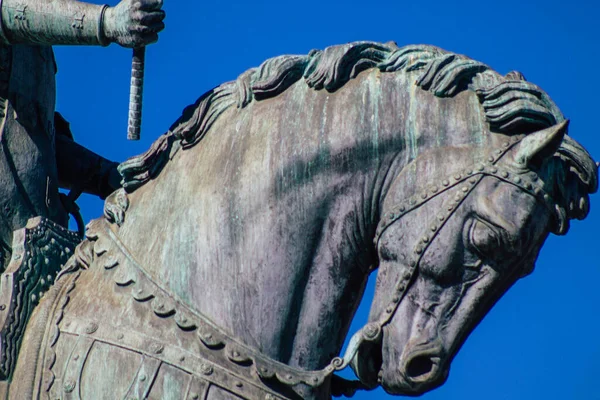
420 370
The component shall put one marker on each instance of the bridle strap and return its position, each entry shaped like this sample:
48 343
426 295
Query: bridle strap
468 179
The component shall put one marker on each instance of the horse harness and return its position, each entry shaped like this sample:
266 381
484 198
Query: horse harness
204 353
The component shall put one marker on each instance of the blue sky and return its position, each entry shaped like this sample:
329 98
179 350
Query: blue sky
541 340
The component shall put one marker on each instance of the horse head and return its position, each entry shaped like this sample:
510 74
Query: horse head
452 249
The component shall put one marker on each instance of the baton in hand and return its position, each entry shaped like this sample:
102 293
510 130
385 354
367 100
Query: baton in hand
136 93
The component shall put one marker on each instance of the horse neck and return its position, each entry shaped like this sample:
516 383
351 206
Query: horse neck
267 223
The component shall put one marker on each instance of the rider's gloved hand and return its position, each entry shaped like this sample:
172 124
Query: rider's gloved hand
134 23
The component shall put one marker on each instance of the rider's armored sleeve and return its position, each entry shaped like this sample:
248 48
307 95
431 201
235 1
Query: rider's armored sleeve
50 22
80 168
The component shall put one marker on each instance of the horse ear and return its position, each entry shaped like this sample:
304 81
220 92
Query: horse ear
541 144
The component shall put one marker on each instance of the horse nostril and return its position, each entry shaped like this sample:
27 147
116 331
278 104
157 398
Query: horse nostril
419 366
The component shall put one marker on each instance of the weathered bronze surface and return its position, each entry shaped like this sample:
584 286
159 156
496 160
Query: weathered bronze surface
230 263
232 260
38 152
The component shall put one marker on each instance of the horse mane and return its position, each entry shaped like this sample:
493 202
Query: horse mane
510 103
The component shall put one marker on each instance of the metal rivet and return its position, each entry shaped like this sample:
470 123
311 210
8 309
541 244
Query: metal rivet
505 174
76 357
412 202
2 307
69 386
395 299
465 189
434 189
457 177
402 208
491 158
445 183
441 217
537 191
33 297
480 168
208 336
450 207
494 170
419 250
546 197
238 384
473 181
470 172
425 239
518 179
120 336
389 310
91 328
142 378
423 195
498 152
194 396
433 228
206 369
528 186
401 288
182 359
235 354
506 144
156 348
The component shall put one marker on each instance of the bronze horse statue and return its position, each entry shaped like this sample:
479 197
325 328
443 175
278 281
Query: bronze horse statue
231 262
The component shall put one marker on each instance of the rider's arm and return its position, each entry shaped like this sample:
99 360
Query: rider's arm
80 168
52 22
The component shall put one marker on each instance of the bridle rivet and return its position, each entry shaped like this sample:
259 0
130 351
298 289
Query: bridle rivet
480 168
419 250
423 196
402 208
425 239
433 228
505 174
389 310
450 207
445 183
457 177
498 152
547 197
491 158
518 179
441 217
412 202
528 186
434 189
395 299
465 189
473 181
494 170
505 144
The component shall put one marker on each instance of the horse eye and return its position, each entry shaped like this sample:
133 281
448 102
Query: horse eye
483 238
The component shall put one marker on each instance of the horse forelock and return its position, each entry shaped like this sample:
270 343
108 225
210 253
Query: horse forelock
510 104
